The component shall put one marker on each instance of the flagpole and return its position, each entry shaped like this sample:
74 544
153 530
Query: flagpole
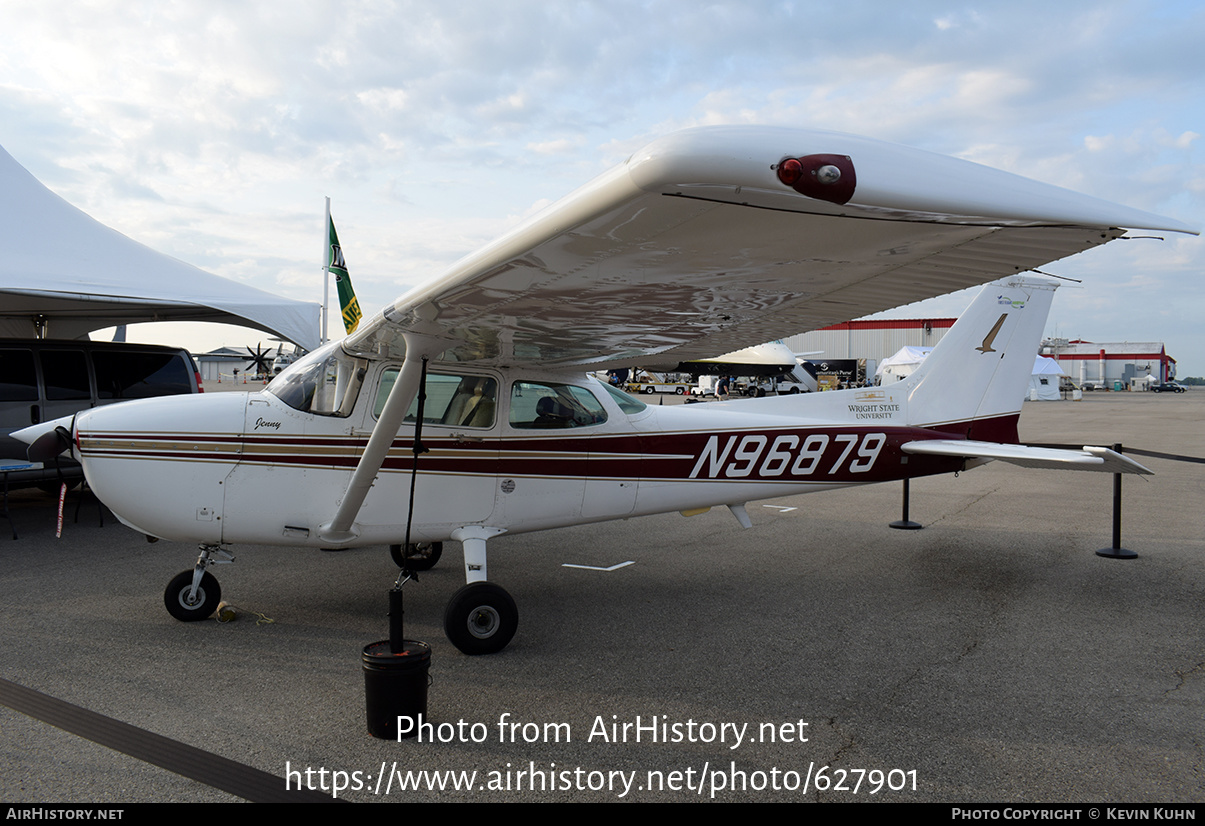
326 272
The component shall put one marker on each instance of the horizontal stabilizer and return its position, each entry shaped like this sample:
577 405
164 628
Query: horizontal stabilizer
1100 459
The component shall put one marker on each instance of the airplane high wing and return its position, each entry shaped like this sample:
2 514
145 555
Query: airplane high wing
696 247
702 243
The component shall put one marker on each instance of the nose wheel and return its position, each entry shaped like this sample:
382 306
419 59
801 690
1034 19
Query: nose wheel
481 618
194 595
189 607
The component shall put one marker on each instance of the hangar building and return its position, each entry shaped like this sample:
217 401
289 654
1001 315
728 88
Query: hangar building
1105 363
870 339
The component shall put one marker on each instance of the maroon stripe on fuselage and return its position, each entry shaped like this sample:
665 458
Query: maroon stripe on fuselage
832 454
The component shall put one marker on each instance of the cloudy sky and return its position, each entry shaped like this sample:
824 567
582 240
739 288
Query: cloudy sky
211 131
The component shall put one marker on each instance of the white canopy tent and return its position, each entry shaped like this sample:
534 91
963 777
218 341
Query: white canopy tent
1044 381
900 366
65 274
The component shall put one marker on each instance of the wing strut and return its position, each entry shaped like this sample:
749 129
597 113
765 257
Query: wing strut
341 529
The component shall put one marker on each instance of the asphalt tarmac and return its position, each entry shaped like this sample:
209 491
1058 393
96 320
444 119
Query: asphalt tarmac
991 656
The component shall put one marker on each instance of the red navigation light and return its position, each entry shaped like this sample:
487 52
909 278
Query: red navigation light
823 177
790 171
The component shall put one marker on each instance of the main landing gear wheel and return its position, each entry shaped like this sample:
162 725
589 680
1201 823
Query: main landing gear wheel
419 557
481 618
209 594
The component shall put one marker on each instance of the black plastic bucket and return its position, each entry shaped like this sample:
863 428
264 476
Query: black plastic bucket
395 685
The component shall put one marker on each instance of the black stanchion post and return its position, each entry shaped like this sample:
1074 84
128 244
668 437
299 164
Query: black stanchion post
397 631
906 524
1117 552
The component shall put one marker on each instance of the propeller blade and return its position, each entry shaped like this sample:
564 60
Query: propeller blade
49 445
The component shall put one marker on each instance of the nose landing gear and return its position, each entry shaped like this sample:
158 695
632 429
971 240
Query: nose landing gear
194 595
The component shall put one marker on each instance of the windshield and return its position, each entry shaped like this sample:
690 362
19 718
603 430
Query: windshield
626 403
325 382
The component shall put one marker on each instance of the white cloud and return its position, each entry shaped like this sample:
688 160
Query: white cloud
383 99
1184 139
214 130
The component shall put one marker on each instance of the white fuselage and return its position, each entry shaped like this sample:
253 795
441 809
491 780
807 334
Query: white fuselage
247 468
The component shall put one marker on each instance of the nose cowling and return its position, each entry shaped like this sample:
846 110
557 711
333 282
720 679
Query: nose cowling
160 464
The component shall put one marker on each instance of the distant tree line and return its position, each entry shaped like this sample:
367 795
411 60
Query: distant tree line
1192 381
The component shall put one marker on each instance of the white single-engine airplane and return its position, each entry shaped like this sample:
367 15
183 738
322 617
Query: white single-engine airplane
703 242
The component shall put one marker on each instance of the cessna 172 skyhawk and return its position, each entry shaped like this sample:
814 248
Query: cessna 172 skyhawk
701 243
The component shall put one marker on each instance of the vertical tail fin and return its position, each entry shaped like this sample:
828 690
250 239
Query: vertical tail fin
974 381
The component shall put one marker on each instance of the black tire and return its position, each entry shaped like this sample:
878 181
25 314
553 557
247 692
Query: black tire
681 391
209 594
649 390
422 556
481 618
794 391
759 393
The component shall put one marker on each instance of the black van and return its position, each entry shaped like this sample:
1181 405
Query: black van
42 379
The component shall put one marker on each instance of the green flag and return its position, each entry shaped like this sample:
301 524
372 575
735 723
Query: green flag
347 295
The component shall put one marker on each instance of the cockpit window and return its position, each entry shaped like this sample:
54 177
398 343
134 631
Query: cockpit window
452 400
538 405
325 382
